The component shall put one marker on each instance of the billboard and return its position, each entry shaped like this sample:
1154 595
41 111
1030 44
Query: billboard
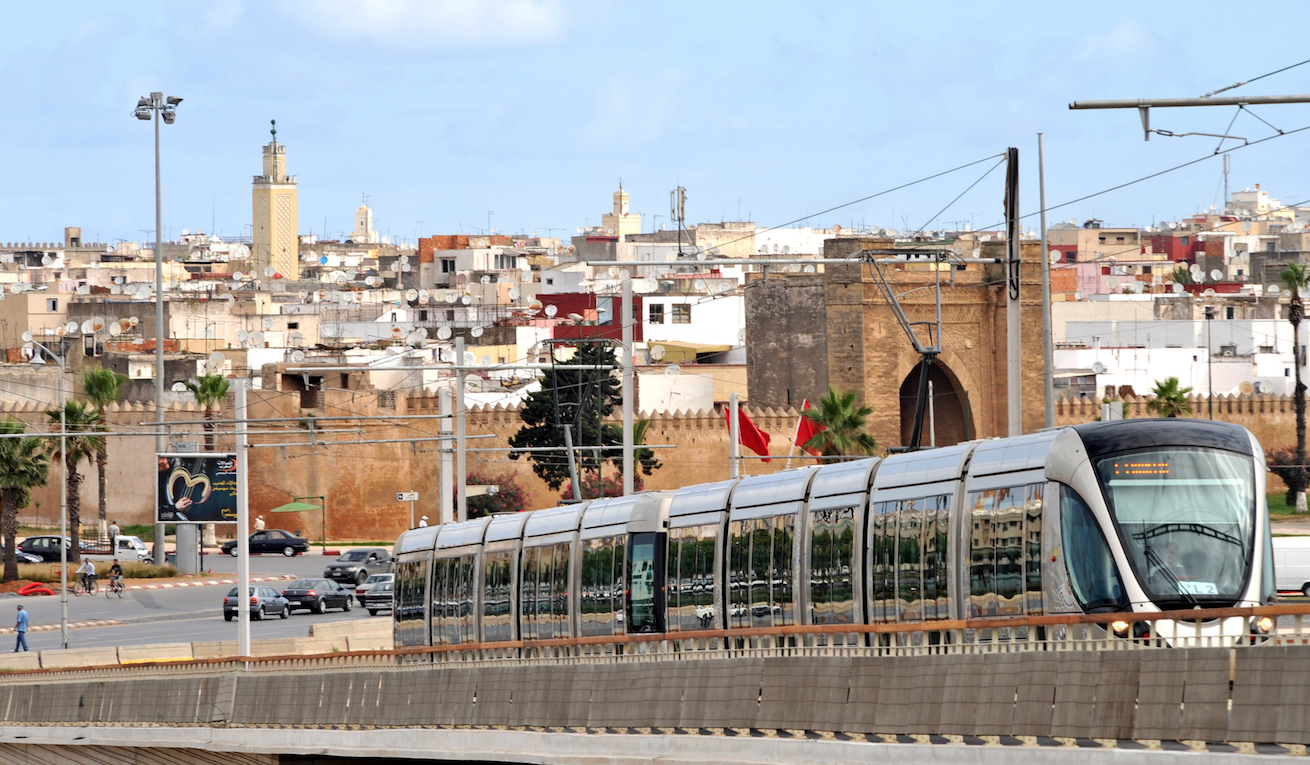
196 488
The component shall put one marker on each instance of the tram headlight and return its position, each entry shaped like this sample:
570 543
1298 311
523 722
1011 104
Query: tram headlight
1120 628
1264 625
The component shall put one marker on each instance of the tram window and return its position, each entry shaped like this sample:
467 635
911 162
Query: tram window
528 593
909 561
497 619
1092 573
410 578
645 574
982 554
942 531
1007 527
438 593
760 589
597 605
465 618
692 580
1033 553
832 549
560 592
882 578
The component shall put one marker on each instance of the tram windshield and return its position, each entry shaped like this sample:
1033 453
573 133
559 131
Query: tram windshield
1186 518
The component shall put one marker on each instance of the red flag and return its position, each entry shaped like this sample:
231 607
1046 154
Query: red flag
806 429
748 435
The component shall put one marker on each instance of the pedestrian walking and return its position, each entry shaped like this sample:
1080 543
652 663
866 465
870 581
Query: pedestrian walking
21 628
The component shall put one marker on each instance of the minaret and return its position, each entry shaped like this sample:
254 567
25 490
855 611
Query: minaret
275 242
621 223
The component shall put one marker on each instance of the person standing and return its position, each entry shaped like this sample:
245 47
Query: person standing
21 628
114 531
423 522
259 523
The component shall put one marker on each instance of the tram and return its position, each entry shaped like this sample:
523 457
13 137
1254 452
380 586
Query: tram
1131 516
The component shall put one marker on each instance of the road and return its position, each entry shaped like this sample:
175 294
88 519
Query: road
185 614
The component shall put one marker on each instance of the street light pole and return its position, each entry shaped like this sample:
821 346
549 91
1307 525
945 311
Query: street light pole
157 107
63 485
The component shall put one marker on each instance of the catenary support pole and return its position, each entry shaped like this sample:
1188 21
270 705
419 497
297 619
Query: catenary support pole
734 436
1048 370
447 504
1013 344
161 442
573 463
461 455
628 392
243 522
63 500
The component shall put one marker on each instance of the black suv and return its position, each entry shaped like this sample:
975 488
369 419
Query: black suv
355 566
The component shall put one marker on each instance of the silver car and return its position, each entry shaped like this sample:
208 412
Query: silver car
370 583
264 601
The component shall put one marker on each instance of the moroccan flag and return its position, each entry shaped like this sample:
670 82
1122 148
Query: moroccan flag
806 429
748 435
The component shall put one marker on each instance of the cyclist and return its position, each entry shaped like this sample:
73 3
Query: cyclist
115 575
88 572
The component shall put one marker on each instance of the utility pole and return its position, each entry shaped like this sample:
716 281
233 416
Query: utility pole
461 453
1013 337
1048 370
629 472
447 504
734 436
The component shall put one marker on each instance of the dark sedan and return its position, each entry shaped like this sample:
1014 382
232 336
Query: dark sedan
45 547
271 541
379 598
317 595
357 565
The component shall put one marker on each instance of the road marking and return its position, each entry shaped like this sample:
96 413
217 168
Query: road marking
171 585
71 625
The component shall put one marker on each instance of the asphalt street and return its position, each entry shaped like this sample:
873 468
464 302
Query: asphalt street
183 614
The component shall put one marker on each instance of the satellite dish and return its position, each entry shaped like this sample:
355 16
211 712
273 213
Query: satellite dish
115 289
1055 256
1098 368
551 310
97 323
515 293
1246 226
138 341
72 325
267 322
699 284
476 332
84 290
666 287
486 361
1137 287
371 281
297 356
1178 288
179 387
1209 291
656 352
1112 283
1078 295
526 276
469 359
473 384
115 330
1246 387
451 297
46 260
406 268
424 296
1274 289
417 337
237 276
242 335
257 338
741 335
269 271
404 258
351 274
486 279
215 361
461 279
359 297
395 333
302 294
701 255
322 260
27 337
466 300
673 369
534 305
613 271
86 328
322 294
411 295
444 333
807 269
1216 275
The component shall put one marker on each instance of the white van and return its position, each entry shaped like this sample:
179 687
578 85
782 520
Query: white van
1292 564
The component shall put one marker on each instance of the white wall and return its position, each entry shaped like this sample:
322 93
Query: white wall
684 392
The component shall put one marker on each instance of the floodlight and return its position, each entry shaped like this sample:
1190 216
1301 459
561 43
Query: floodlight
173 100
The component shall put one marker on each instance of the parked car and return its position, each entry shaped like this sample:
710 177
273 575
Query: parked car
264 601
370 583
271 541
317 595
380 598
27 557
45 547
355 566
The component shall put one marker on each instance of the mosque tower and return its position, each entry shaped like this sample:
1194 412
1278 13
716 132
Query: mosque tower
275 242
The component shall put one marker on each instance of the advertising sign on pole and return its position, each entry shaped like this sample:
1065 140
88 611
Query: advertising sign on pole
196 488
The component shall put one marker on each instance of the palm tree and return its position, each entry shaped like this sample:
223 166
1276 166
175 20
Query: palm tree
842 426
82 423
101 387
209 390
1297 278
24 464
1170 399
1181 275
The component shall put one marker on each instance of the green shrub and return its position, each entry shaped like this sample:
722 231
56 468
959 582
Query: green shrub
49 572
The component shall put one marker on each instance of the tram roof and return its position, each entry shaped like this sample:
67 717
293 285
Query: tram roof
1103 438
554 520
623 510
787 486
417 539
843 478
460 534
702 498
927 466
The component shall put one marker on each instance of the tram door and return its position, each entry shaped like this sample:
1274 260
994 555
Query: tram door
645 590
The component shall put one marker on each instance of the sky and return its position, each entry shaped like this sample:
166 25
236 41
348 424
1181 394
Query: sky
525 115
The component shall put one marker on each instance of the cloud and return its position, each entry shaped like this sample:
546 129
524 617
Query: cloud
432 23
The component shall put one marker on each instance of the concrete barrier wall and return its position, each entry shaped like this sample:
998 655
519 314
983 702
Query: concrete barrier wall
1158 694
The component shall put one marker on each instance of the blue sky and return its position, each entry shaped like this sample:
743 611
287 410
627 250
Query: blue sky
442 110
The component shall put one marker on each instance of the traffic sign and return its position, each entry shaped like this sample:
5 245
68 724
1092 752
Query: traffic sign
406 496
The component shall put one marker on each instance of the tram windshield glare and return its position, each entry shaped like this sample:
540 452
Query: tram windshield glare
1186 519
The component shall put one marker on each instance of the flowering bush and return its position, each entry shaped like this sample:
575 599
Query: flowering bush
594 486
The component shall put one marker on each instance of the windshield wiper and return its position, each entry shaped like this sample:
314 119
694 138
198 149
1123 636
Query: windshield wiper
1169 575
1195 528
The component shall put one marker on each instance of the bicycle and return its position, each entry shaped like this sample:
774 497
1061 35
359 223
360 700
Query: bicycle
80 588
114 586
